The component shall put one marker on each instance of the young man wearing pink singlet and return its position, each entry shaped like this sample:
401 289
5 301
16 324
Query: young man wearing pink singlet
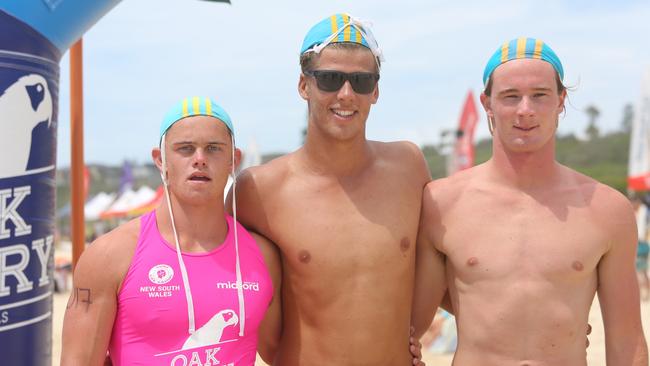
184 284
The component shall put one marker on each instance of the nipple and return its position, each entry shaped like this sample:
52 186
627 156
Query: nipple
304 256
577 265
404 244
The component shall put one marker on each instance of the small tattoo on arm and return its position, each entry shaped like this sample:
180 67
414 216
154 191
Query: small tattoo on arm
79 295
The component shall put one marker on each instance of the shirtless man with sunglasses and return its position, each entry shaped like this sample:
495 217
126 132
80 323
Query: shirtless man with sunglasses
343 211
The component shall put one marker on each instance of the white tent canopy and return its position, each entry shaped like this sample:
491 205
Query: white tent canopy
98 204
129 200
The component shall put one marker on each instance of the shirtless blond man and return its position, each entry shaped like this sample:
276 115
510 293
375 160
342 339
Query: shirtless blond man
529 242
343 211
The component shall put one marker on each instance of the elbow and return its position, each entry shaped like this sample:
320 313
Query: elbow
268 351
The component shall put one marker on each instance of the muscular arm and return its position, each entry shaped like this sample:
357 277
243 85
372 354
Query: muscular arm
430 281
90 311
92 306
618 292
250 213
250 208
270 329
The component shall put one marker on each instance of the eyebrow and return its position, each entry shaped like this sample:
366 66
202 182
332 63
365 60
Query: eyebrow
515 90
194 142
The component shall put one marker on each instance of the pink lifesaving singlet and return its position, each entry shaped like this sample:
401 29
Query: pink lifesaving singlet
151 325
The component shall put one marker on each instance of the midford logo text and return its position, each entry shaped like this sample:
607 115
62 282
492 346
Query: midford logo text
254 286
161 274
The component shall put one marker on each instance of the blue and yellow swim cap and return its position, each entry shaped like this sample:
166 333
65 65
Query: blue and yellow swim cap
340 28
522 47
195 106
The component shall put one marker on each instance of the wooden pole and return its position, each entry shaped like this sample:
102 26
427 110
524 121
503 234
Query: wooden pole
77 151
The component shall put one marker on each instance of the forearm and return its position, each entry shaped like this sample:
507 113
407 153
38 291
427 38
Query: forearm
87 330
83 348
73 355
270 333
267 351
631 352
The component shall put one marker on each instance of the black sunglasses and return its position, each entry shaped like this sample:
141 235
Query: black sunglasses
331 81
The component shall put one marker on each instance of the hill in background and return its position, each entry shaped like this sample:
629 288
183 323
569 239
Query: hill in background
603 158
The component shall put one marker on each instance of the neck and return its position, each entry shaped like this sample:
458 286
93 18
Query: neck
525 170
336 157
200 228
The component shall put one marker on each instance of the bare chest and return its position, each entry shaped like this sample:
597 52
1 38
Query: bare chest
522 240
345 230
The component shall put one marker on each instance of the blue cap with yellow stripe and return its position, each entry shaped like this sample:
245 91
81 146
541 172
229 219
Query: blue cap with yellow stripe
340 28
522 47
195 106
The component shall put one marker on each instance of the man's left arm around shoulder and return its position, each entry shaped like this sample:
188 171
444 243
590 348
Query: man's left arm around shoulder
618 292
270 331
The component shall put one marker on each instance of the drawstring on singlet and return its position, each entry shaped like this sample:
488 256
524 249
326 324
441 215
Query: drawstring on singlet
240 284
181 263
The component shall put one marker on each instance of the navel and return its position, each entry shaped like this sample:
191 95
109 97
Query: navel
304 256
472 261
404 244
577 265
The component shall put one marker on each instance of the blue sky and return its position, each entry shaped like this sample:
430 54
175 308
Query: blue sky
146 54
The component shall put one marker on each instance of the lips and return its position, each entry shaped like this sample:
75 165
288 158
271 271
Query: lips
199 177
526 129
344 113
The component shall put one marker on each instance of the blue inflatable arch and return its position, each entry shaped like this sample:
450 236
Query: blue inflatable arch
34 34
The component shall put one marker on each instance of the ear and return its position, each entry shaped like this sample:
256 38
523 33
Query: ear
302 86
485 101
237 158
562 99
375 94
156 156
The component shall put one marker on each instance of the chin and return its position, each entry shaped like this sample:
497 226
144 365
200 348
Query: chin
526 142
197 197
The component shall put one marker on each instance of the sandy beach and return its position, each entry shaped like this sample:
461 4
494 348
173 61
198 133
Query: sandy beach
595 352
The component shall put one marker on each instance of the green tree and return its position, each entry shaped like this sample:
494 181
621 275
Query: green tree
435 160
592 130
628 116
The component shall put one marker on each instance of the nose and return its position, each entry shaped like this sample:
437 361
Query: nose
525 107
346 92
199 158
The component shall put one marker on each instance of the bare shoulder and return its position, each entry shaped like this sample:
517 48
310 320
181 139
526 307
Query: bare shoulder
255 187
403 155
609 208
398 150
107 259
603 199
265 175
448 190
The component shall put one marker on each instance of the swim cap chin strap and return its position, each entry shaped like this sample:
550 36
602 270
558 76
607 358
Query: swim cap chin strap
181 263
